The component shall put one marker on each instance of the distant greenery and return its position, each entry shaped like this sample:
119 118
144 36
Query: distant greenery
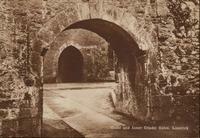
97 65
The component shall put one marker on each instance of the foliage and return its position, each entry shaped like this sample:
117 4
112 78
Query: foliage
97 65
181 14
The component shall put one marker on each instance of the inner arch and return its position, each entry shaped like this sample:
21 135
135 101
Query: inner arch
120 40
70 65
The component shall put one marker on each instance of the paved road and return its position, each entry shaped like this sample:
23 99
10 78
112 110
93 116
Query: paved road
87 108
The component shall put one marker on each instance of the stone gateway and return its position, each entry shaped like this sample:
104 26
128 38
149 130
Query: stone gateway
156 44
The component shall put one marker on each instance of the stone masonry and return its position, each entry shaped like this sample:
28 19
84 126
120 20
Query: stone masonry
157 44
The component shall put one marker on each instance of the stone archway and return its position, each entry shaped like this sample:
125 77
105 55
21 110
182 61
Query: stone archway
70 65
86 42
127 38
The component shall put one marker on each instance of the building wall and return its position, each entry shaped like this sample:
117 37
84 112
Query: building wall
178 45
170 67
20 87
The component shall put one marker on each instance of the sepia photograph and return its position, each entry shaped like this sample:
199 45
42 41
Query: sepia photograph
99 68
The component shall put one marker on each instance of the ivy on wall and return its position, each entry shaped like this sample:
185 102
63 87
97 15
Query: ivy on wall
182 16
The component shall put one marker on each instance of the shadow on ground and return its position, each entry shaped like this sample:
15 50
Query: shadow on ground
58 128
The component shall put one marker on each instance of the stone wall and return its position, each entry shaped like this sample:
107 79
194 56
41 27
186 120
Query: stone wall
20 99
165 64
178 40
179 52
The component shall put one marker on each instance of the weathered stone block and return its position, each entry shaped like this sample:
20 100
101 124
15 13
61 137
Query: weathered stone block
9 128
8 103
161 107
3 113
36 62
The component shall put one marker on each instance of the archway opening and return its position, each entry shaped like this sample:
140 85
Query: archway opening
98 97
70 65
124 46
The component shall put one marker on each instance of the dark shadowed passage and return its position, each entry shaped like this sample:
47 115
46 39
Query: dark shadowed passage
70 66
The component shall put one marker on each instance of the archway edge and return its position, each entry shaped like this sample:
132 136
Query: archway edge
85 11
110 13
